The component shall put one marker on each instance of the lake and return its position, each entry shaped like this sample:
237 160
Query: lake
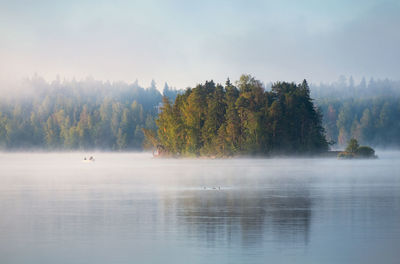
131 208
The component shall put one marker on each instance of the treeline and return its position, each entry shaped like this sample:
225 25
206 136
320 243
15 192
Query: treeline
244 119
77 115
373 121
346 88
368 111
92 114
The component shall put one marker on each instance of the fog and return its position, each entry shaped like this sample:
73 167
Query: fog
60 61
129 207
86 78
183 42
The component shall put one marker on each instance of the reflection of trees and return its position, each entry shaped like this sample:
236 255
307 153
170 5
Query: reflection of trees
249 216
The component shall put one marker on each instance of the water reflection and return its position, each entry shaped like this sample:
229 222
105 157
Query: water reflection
251 217
157 211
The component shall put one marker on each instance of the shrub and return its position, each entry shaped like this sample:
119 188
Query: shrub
365 152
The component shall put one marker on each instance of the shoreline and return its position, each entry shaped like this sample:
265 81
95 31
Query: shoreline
328 154
324 155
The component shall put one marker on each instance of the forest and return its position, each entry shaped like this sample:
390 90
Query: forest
372 121
239 120
69 115
91 114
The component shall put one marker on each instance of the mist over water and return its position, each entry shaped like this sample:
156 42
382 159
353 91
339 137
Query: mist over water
131 208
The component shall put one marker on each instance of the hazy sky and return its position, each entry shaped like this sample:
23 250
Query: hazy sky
185 42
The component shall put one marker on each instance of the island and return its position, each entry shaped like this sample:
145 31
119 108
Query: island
212 120
354 150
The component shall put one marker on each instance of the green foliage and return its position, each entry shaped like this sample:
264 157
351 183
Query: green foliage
365 151
208 119
352 146
78 115
354 150
243 119
374 121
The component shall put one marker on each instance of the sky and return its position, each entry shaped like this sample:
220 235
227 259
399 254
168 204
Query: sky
187 42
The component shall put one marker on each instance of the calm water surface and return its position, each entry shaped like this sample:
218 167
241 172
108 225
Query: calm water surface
130 208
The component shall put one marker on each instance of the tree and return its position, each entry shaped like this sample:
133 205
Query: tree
352 146
232 126
214 117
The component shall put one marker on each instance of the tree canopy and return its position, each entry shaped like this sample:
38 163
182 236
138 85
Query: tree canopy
373 121
77 115
244 117
212 119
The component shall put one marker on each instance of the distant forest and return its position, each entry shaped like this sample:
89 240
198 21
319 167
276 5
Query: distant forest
367 111
91 114
85 114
